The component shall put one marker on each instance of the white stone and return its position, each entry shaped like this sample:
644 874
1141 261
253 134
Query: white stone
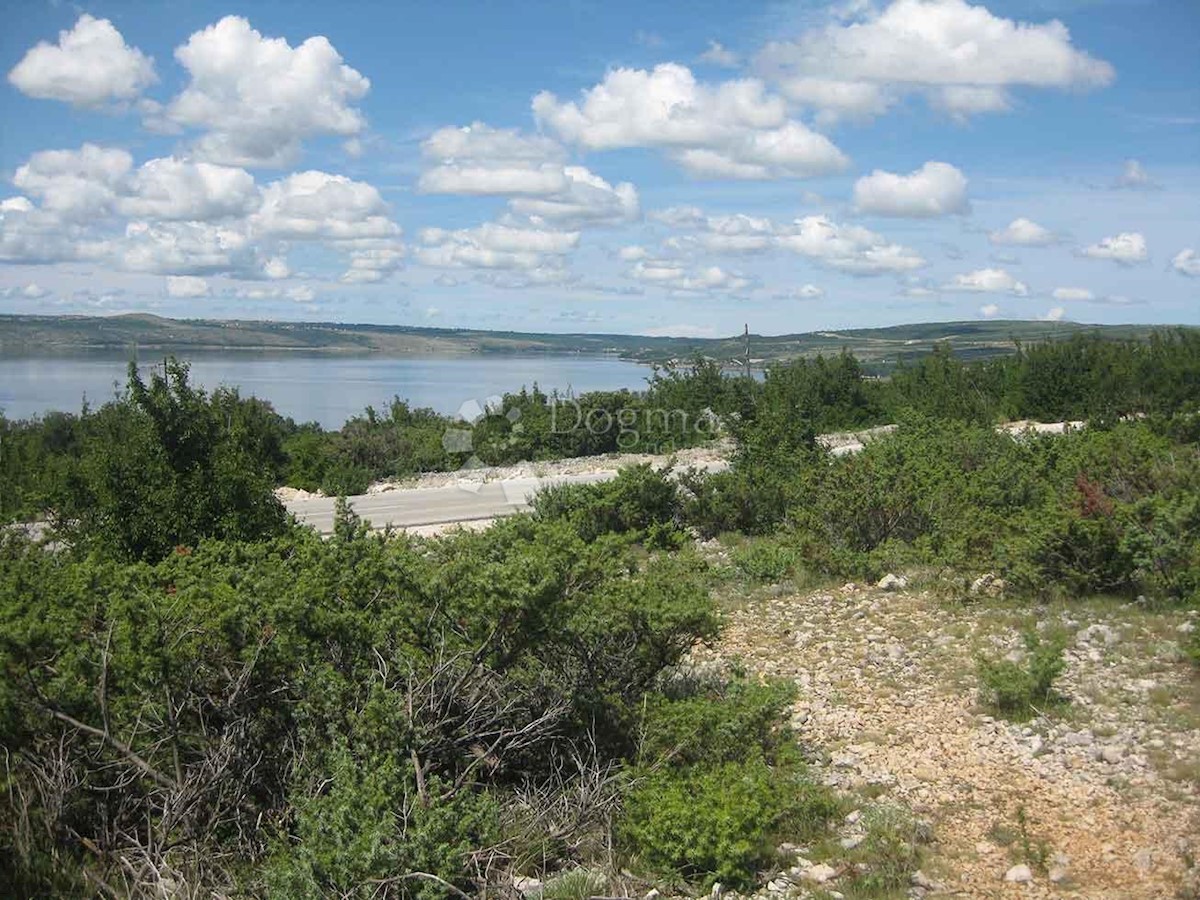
1019 874
891 582
820 873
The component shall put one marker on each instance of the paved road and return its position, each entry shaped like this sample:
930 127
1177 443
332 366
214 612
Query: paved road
415 507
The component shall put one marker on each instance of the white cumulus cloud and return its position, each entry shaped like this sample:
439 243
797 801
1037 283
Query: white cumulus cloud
89 66
257 98
481 160
734 129
1023 232
1126 248
989 311
847 248
962 57
1187 262
989 281
935 189
186 286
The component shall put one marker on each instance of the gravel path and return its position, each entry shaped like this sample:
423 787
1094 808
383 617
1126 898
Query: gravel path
887 687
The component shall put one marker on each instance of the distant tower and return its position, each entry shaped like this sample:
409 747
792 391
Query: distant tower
746 339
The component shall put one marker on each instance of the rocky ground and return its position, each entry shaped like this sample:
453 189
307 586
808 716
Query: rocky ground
1097 798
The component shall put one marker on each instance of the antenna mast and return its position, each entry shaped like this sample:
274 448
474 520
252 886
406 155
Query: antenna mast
746 339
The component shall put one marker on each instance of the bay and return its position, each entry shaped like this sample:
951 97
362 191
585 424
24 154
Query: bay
321 388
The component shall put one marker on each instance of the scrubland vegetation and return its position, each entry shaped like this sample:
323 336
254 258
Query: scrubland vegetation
199 697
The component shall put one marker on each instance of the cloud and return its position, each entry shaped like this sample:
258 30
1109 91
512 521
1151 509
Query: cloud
803 292
186 286
481 160
1134 177
257 99
990 281
989 311
587 199
734 129
89 66
847 248
1126 248
276 268
718 55
676 277
962 101
1023 233
75 184
1187 262
737 234
632 253
182 248
935 189
30 291
99 181
314 205
1055 314
170 188
536 252
961 57
177 217
679 216
838 100
1073 294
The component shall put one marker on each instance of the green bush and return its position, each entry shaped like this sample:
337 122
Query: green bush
719 783
639 500
765 559
720 822
295 699
718 722
1019 690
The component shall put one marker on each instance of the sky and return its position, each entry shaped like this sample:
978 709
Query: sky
679 168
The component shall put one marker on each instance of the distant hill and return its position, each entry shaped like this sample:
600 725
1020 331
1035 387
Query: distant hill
878 347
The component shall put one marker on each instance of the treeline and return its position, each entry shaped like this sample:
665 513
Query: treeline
43 461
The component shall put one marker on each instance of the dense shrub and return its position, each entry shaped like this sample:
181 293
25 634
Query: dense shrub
720 823
168 465
765 559
719 784
318 715
640 502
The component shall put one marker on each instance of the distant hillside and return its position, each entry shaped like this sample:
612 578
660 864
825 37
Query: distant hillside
878 347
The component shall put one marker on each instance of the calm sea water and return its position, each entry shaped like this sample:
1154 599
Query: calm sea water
324 389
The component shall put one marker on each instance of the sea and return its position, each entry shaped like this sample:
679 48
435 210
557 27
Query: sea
319 388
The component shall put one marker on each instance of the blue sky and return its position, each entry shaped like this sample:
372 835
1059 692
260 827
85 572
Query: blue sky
675 168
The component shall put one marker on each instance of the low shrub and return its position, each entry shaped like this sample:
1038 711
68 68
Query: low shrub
718 722
765 559
719 782
890 852
1018 690
641 501
721 822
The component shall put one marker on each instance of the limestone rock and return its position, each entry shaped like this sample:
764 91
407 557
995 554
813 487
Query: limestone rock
1019 874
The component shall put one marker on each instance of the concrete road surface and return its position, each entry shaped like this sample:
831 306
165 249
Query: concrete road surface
416 507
